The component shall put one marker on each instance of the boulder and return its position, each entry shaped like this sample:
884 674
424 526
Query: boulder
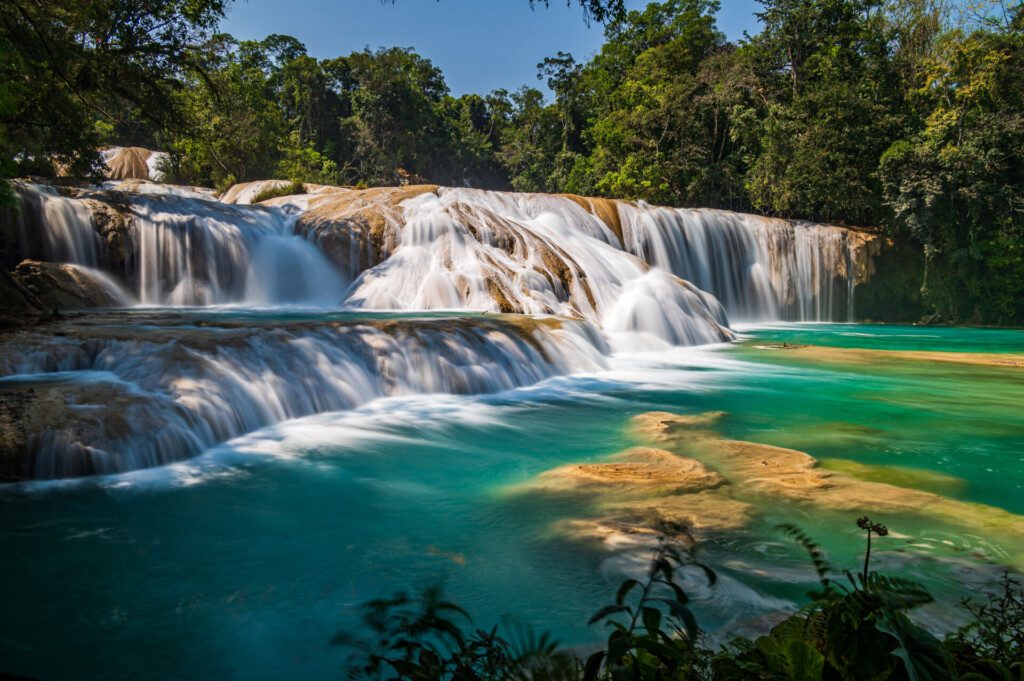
129 163
67 287
46 428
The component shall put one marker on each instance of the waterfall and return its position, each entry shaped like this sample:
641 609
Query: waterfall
142 392
192 251
533 254
471 249
759 268
552 285
57 228
183 248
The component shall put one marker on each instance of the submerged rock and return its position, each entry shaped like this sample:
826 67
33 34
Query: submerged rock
690 475
640 469
760 472
901 476
872 357
638 492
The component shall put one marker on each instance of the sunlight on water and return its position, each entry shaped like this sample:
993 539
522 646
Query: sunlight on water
258 550
293 420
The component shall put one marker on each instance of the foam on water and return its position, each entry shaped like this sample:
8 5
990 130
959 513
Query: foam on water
457 249
188 391
534 254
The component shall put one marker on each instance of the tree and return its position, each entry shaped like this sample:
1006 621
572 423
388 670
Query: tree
957 185
70 65
234 126
649 133
834 104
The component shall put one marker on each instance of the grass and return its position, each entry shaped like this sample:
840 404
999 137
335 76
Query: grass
290 189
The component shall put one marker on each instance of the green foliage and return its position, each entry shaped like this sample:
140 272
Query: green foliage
957 184
991 646
894 113
66 65
654 634
425 638
855 628
303 163
291 189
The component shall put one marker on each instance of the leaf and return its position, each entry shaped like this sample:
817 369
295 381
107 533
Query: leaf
923 655
803 662
690 622
661 565
787 652
619 644
593 666
652 620
606 611
709 573
678 591
624 589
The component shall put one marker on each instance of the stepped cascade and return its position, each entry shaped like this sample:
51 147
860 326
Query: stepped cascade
517 288
171 390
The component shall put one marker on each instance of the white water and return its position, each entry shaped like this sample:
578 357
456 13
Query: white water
68 233
759 268
176 390
477 250
150 395
533 254
195 252
184 250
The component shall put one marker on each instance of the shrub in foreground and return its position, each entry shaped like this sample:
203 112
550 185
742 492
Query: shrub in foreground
855 628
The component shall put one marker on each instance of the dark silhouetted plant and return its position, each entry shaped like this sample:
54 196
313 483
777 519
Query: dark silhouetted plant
424 638
654 633
855 628
991 646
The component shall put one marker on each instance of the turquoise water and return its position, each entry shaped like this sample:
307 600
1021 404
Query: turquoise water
245 562
893 337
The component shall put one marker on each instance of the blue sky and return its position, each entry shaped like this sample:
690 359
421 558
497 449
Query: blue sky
480 45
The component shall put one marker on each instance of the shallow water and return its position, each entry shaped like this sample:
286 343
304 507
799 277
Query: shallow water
243 562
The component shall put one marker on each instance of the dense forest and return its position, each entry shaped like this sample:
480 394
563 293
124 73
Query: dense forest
906 115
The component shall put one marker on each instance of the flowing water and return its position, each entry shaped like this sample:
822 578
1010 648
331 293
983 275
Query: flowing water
244 562
260 465
759 268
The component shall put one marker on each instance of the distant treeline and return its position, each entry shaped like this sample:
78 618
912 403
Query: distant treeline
904 114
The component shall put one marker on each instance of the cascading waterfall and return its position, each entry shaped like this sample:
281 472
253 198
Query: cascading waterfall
759 268
186 249
587 280
191 251
470 249
150 393
68 233
533 254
